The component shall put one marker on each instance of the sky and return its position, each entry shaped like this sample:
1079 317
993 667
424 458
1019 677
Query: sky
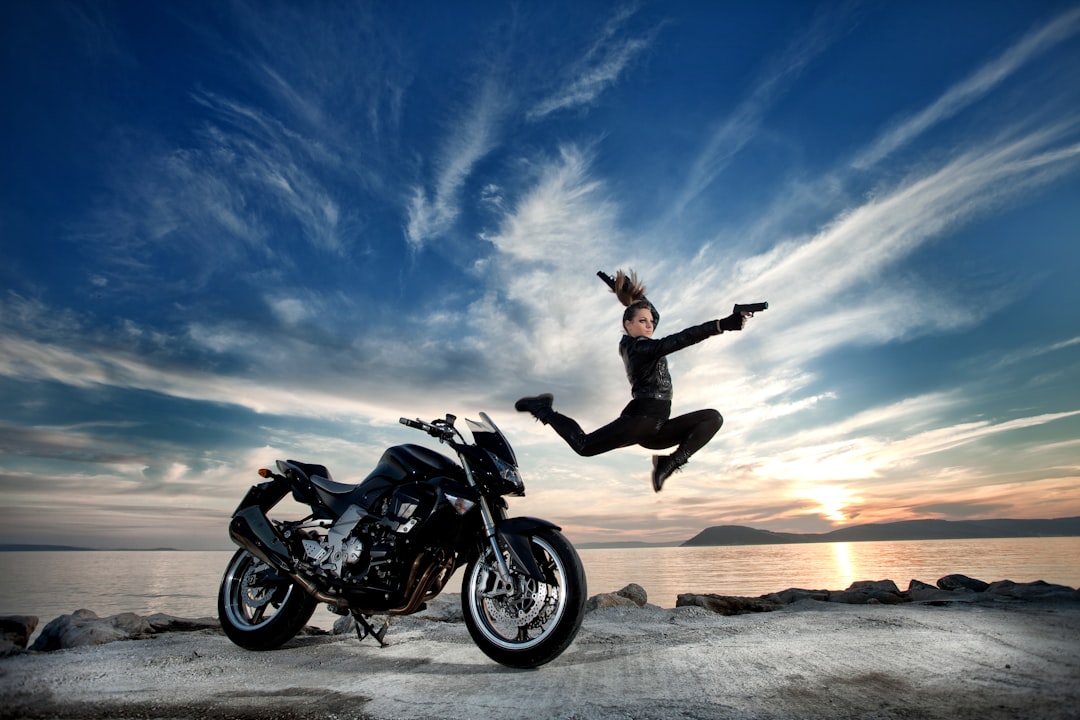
235 232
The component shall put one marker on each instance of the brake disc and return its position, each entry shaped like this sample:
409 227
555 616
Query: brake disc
253 587
519 607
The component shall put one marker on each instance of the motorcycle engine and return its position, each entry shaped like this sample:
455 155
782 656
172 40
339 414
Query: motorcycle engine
361 550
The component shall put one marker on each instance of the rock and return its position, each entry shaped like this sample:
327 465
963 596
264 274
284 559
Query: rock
162 623
865 592
792 595
923 592
344 625
84 627
728 604
15 632
608 600
444 608
1038 591
633 595
634 592
961 583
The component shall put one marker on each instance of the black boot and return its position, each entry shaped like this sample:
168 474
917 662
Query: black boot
539 406
664 465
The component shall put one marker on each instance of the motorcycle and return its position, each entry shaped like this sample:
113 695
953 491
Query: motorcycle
389 544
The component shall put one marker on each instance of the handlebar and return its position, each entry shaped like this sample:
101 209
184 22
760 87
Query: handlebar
441 429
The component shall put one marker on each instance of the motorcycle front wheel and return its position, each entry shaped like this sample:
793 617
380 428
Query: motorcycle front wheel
529 623
259 608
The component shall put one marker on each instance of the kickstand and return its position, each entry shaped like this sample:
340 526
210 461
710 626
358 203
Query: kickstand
363 629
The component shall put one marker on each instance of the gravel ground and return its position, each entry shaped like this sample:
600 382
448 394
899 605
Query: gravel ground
810 660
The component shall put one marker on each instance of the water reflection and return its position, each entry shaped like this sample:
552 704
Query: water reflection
49 584
753 570
842 559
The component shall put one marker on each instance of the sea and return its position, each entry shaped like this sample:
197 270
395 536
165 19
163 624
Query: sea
49 584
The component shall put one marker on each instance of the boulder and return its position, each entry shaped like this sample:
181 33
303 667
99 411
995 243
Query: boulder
84 627
634 592
870 592
608 600
919 591
792 595
961 583
633 595
729 604
15 632
1038 591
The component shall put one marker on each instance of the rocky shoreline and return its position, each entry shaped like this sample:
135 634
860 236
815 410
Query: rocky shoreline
84 627
957 650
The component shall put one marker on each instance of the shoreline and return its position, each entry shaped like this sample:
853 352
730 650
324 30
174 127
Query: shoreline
956 653
983 660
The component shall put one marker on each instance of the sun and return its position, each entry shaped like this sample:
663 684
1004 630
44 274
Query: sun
832 500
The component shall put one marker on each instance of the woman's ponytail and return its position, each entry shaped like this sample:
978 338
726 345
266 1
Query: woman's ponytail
631 292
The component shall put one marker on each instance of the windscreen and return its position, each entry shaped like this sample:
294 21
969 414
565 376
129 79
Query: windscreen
490 438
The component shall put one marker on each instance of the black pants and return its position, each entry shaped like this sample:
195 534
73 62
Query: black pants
690 432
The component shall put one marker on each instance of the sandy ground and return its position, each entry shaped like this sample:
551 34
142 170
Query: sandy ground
810 660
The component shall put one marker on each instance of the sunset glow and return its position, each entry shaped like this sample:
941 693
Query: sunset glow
236 233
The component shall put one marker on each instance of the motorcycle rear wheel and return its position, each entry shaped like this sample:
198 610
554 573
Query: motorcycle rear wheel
260 609
534 622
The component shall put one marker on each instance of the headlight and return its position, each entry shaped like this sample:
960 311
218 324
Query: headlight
512 483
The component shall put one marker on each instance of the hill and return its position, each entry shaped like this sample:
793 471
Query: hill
903 530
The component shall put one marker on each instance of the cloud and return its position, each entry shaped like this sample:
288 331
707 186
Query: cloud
854 255
471 138
1022 355
734 132
610 55
972 88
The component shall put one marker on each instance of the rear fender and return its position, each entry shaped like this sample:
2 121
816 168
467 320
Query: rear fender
515 533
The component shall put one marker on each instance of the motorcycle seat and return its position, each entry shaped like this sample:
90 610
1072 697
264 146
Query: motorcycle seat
311 470
320 477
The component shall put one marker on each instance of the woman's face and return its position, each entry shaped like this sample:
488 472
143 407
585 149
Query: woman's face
641 324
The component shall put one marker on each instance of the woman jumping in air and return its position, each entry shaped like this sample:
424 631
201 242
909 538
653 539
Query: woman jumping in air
646 420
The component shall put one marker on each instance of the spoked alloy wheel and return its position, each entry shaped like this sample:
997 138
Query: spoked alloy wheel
259 608
532 622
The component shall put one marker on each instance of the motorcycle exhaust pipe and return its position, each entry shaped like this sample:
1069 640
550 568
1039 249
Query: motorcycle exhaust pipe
252 531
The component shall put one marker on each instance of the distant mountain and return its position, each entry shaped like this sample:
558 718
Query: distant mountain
903 530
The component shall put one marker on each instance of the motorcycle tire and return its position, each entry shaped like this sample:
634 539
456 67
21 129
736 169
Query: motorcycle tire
533 624
260 609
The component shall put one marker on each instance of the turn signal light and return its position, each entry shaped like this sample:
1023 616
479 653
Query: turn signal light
263 472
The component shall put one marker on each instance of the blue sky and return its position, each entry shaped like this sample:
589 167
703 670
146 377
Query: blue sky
235 232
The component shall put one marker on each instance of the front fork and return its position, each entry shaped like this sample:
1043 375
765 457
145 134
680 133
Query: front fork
515 534
490 529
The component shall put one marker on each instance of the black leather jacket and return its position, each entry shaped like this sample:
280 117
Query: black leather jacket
647 370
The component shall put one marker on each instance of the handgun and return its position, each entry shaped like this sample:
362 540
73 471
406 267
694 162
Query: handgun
750 308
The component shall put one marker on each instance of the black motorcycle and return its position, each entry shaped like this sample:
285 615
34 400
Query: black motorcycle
390 544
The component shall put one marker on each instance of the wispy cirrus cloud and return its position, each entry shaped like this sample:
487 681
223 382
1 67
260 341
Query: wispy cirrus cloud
214 203
732 133
852 256
605 61
972 88
469 139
